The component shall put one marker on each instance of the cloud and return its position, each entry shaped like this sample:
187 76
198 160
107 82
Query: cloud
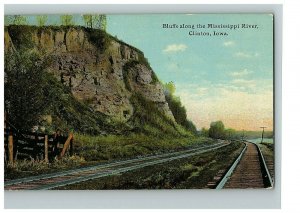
246 55
243 83
172 48
229 43
241 73
237 109
240 103
200 91
242 55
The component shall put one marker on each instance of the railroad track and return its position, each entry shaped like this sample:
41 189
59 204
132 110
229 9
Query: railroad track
54 180
249 170
269 160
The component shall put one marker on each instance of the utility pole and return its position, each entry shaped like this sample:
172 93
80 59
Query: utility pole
243 137
262 135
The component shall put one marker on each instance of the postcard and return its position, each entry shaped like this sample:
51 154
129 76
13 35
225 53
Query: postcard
143 101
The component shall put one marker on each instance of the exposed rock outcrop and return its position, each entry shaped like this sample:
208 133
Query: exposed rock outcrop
95 73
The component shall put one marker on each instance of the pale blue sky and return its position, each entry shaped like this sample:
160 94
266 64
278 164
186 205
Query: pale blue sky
203 55
227 78
217 77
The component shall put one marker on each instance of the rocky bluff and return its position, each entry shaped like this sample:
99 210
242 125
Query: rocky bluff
102 72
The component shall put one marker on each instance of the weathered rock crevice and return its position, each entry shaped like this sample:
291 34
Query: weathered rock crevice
97 76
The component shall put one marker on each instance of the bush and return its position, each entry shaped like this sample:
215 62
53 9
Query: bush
25 91
217 130
21 36
177 109
148 117
99 38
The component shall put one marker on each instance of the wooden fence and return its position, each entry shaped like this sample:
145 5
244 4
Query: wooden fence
21 145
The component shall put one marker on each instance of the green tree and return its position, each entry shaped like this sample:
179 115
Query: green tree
66 20
189 125
176 107
170 88
7 20
178 111
204 132
95 21
24 94
230 134
217 130
88 20
15 20
20 20
41 20
103 22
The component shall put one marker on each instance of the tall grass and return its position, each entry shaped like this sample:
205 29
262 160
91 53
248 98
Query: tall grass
101 148
29 167
153 121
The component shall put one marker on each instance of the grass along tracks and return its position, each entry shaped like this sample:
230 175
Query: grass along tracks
193 171
93 150
54 180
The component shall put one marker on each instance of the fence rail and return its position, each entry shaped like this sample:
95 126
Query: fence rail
21 144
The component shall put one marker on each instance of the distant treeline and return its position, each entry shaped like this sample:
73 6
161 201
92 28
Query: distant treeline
217 130
95 21
254 134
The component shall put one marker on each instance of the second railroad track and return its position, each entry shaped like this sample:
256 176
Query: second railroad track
54 180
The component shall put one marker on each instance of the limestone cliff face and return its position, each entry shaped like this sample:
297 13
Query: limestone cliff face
95 74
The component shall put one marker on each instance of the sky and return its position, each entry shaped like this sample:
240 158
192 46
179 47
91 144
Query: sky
226 77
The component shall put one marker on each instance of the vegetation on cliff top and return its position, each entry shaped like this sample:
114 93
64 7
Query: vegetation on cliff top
177 109
62 109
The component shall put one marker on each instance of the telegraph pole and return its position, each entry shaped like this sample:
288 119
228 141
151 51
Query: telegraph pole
262 135
243 137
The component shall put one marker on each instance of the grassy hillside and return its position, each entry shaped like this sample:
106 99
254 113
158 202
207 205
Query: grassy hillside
60 109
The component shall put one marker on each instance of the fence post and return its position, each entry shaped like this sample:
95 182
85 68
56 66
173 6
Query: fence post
71 146
66 145
10 148
6 134
35 148
46 149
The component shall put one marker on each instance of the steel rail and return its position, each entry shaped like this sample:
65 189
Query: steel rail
102 166
238 159
122 170
265 168
231 169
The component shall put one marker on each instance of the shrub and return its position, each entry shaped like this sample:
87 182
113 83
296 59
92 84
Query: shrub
25 99
177 109
217 130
